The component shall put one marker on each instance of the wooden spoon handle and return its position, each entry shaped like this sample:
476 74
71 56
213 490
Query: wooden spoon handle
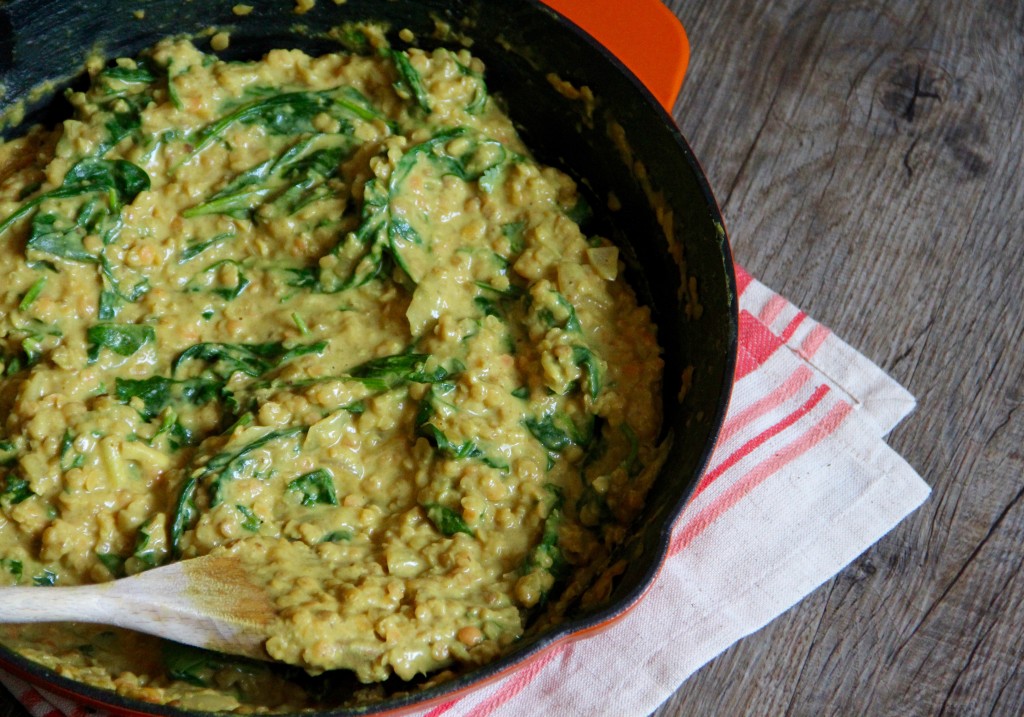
86 603
207 602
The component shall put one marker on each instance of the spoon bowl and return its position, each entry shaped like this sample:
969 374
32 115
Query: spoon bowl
209 602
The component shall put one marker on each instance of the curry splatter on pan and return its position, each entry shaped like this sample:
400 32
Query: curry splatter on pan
617 141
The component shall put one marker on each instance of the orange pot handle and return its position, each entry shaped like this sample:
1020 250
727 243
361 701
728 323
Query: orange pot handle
644 34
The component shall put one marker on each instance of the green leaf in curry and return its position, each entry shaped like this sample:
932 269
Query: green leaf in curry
157 392
254 360
191 664
250 521
227 465
32 294
409 82
194 250
290 113
121 339
556 431
593 368
15 568
446 520
15 490
547 555
390 371
46 578
316 487
113 562
145 551
117 181
384 231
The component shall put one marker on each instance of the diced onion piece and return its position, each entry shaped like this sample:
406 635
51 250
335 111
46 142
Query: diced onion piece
327 431
605 260
145 455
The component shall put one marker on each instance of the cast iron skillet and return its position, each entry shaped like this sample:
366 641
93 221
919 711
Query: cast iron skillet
665 202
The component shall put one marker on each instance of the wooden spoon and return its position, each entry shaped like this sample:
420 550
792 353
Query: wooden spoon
206 602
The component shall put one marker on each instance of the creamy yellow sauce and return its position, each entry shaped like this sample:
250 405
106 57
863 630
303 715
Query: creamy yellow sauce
326 313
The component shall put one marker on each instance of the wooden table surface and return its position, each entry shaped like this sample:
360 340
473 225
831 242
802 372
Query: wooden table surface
867 157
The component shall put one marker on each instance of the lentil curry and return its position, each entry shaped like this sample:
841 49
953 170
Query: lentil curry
329 314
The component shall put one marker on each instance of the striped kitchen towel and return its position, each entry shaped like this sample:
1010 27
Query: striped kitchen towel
800 483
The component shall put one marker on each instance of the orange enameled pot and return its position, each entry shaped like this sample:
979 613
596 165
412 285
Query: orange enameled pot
623 144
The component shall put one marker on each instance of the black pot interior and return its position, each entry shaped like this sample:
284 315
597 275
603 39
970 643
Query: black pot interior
521 42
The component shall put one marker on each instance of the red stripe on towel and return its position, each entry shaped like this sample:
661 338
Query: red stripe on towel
765 405
514 684
772 309
756 345
793 325
760 439
754 477
813 341
441 709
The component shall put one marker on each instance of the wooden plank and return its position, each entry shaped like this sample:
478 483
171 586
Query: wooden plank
867 157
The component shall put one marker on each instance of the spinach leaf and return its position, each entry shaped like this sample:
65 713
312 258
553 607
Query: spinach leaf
592 366
118 180
251 522
66 461
113 562
546 555
316 487
184 514
122 339
122 93
231 465
46 578
254 360
479 101
172 91
409 81
290 113
119 126
439 440
385 233
177 434
16 490
8 453
144 551
14 567
32 294
157 392
128 74
212 276
337 536
113 294
239 196
580 212
556 431
194 250
514 232
291 181
50 234
446 520
191 664
634 466
547 316
388 372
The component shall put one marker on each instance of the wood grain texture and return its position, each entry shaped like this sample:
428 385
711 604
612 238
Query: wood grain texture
867 155
867 158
